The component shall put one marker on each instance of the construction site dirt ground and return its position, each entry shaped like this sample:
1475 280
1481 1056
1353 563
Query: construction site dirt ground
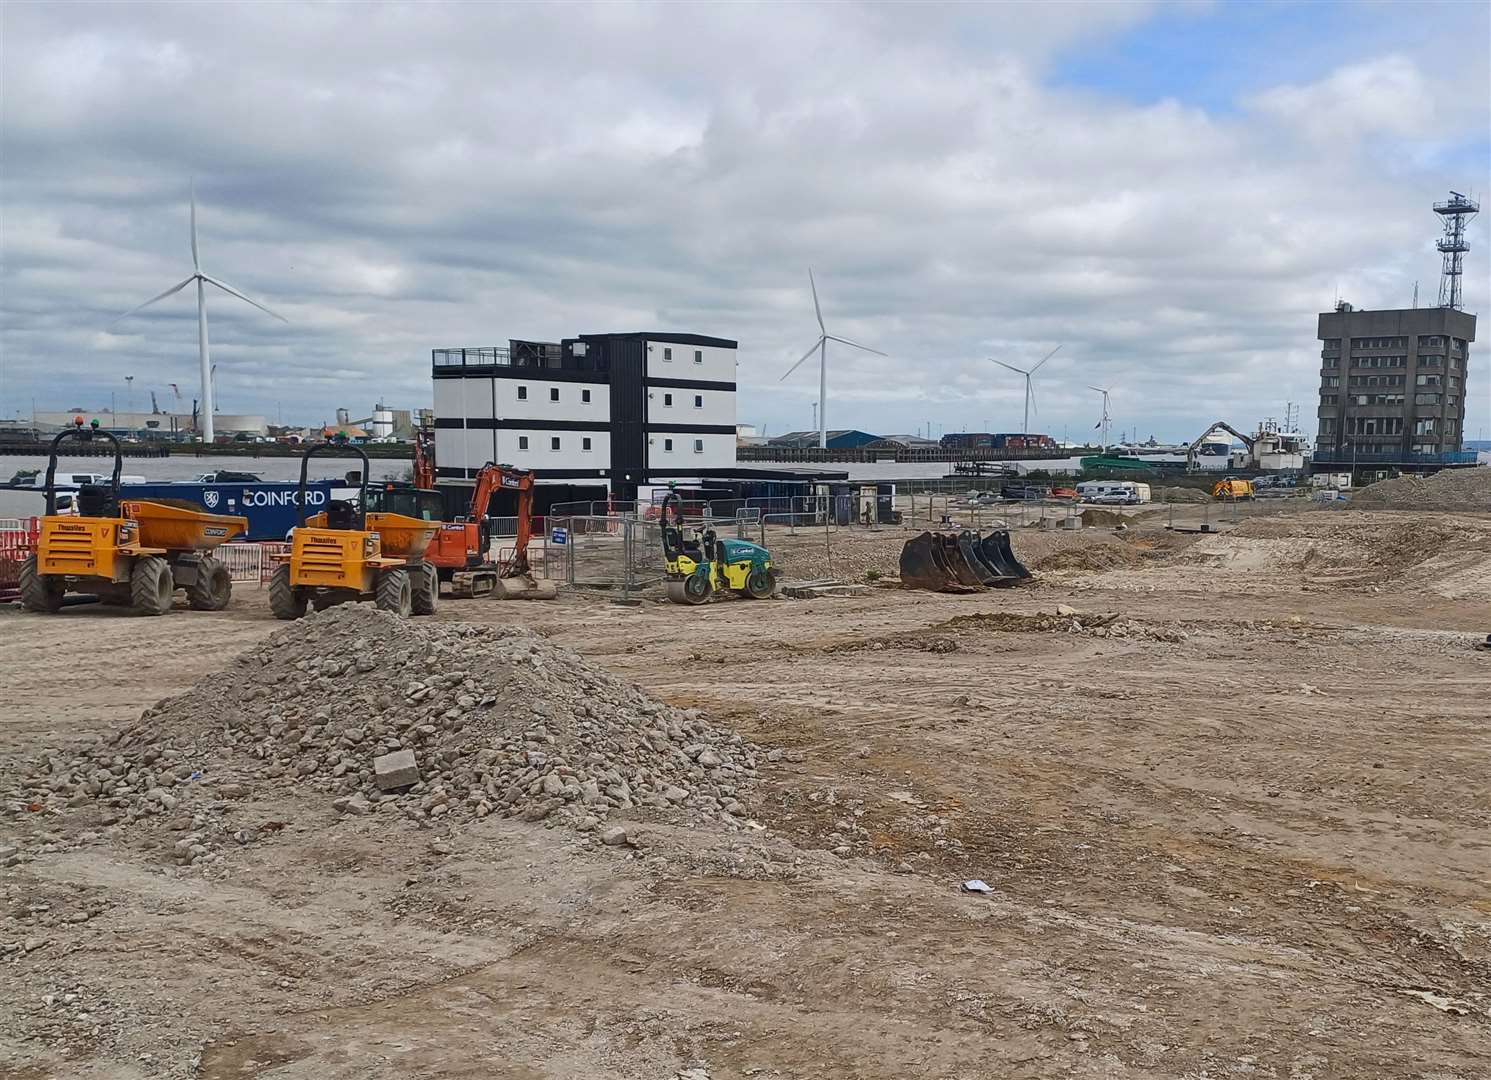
1234 812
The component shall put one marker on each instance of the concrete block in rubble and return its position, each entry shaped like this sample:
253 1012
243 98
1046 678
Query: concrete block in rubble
396 770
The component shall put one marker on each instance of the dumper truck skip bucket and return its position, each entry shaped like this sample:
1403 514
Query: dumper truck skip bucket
176 528
402 537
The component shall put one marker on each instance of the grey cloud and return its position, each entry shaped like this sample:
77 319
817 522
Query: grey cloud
396 178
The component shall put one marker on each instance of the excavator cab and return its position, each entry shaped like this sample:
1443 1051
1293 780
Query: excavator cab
700 564
351 552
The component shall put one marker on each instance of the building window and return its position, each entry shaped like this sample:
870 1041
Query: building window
585 397
1332 361
667 401
667 446
1333 344
522 393
1327 399
1327 425
1426 399
1430 361
585 443
522 442
698 356
1426 380
1430 341
554 443
554 393
698 446
1427 426
667 354
698 401
1331 380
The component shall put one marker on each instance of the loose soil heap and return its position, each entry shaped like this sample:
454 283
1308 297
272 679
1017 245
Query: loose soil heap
498 719
1449 489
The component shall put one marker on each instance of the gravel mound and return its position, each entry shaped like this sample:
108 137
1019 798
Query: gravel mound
1181 495
1448 489
497 720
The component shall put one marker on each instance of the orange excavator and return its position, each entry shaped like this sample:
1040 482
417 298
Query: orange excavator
460 550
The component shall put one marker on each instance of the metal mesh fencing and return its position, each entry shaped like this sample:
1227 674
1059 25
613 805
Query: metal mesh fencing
612 552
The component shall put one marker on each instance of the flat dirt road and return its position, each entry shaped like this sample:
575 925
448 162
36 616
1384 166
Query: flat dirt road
1231 797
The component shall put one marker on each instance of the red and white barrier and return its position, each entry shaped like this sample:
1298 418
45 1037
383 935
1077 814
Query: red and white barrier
17 543
250 562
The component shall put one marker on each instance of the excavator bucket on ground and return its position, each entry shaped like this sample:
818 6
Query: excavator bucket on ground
959 562
994 547
525 587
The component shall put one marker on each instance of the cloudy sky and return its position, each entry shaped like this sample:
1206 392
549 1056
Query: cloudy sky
1170 191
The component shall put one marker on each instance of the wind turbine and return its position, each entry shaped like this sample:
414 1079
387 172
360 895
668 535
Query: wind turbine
202 281
1029 393
821 345
1103 423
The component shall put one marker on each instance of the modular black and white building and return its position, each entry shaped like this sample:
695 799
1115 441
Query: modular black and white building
612 411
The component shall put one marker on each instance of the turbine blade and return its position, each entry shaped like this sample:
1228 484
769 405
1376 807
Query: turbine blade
196 265
1030 389
799 363
1099 389
857 345
1002 364
1048 356
816 309
153 299
229 289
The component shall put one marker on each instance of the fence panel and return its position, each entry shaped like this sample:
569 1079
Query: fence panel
611 552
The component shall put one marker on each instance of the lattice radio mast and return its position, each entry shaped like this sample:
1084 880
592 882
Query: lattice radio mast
1455 212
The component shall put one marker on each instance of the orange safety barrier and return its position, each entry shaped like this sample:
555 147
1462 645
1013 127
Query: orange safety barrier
17 544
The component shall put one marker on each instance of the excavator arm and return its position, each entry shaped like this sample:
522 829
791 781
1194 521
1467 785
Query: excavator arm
492 478
1220 425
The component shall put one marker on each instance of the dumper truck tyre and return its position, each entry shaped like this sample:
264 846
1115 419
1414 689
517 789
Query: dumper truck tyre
39 592
424 589
759 585
285 600
212 588
394 592
151 587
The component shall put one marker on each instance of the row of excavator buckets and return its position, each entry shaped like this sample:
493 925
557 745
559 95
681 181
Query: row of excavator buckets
960 562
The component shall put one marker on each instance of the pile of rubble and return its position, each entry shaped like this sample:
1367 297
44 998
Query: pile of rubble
1448 489
1068 620
410 717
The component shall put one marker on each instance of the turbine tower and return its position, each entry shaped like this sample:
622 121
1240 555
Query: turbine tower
202 281
821 347
1029 393
1103 423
